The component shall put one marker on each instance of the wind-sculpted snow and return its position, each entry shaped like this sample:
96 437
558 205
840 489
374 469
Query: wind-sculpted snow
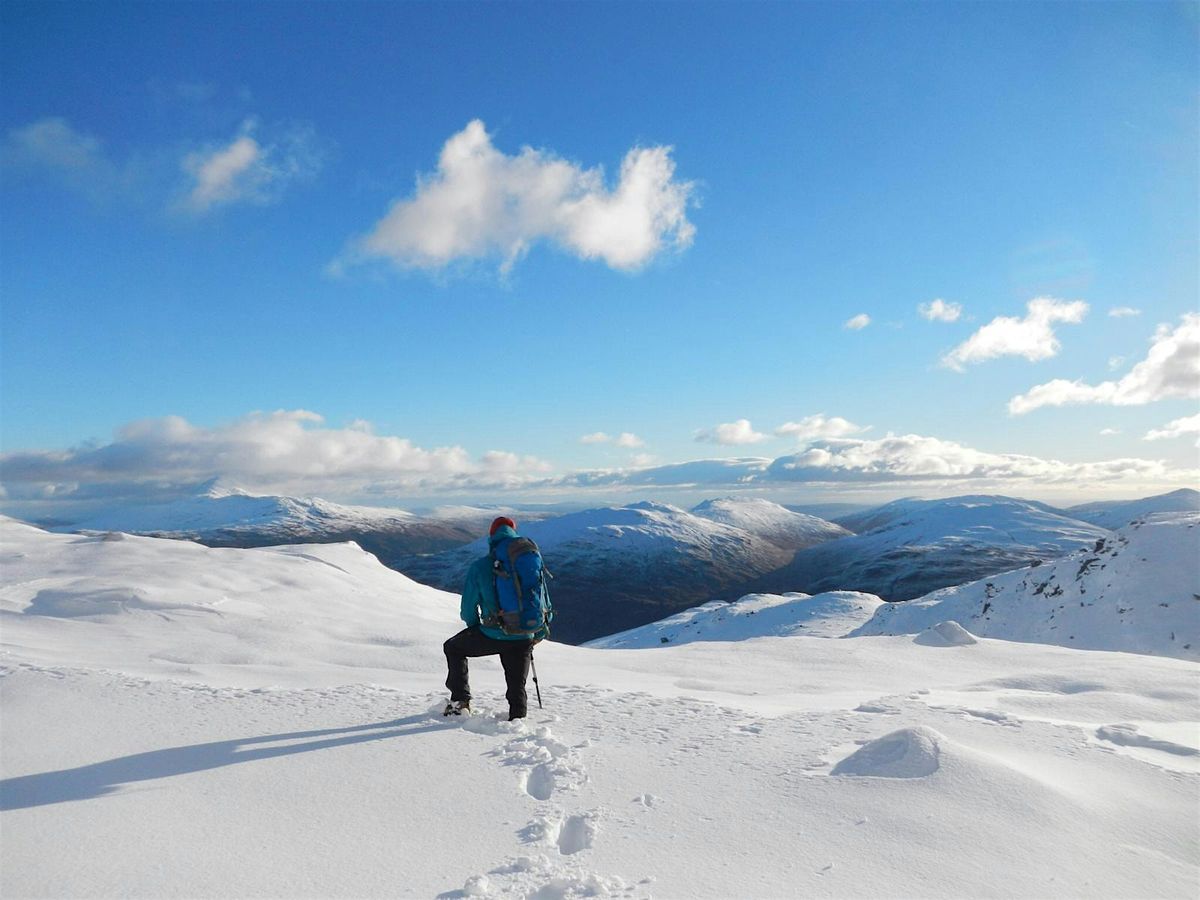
297 750
617 568
910 547
1137 590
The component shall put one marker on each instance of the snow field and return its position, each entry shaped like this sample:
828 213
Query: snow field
309 759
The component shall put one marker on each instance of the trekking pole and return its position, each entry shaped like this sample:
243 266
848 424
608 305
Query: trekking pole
535 681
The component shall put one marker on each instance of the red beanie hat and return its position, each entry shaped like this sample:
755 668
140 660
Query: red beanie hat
500 523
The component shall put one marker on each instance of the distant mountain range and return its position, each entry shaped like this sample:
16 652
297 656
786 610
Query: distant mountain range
910 547
618 568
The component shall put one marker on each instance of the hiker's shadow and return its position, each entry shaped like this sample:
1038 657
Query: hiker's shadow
98 779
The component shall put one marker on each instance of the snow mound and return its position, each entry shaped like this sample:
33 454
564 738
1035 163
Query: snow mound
946 634
830 615
908 753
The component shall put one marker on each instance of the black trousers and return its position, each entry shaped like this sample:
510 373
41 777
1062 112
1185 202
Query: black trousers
514 657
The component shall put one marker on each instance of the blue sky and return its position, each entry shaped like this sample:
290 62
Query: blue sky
221 222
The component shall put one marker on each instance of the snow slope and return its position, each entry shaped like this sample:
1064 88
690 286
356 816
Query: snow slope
835 614
1117 513
617 568
775 523
910 547
1138 590
262 728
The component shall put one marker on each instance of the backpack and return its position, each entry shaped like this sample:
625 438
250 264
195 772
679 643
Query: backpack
521 588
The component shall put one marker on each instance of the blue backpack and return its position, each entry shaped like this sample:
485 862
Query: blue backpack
521 587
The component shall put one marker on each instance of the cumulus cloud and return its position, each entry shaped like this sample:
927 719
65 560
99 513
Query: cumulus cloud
1171 369
731 434
940 311
483 203
596 437
1120 312
1176 428
285 451
247 170
1108 432
812 428
1031 337
858 323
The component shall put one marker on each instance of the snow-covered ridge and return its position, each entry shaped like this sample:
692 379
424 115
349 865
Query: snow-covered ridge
1118 513
771 521
911 547
168 608
830 615
1137 590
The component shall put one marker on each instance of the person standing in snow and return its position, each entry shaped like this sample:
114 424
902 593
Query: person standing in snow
483 637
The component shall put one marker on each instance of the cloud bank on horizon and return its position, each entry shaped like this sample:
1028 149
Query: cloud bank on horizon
295 452
481 203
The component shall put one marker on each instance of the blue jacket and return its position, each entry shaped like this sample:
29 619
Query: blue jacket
479 599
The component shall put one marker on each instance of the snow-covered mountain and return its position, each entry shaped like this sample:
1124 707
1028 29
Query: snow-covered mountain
616 568
1137 590
221 516
835 614
187 721
910 547
1117 513
775 523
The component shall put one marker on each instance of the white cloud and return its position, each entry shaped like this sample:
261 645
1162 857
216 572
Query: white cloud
1115 362
857 323
812 428
1031 337
77 160
919 458
730 434
246 170
641 460
1171 369
1176 428
625 439
1120 312
484 203
287 451
940 311
1107 432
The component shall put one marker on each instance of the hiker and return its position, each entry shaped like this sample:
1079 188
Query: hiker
492 628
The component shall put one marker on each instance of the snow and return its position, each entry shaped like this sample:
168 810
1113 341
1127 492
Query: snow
188 722
834 614
775 523
909 547
1115 514
1137 590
